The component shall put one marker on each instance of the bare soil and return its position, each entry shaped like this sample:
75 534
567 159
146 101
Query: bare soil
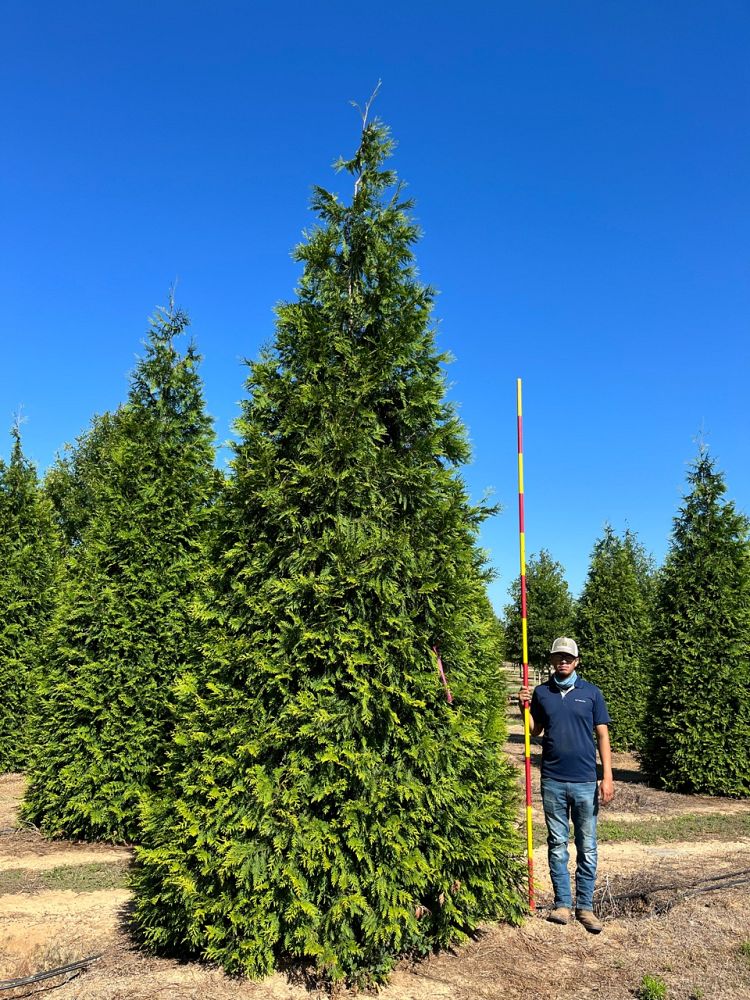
690 933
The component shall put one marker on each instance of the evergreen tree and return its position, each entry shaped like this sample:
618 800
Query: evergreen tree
613 627
324 801
123 630
699 726
550 611
29 557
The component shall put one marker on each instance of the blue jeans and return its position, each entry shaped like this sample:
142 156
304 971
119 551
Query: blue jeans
563 801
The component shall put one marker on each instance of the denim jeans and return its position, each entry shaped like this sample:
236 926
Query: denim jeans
563 801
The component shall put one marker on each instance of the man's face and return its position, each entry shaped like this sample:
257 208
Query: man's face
563 664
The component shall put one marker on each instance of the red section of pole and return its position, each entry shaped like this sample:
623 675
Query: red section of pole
525 648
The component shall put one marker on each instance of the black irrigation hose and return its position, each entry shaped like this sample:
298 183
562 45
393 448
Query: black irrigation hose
742 876
724 885
611 904
12 984
690 893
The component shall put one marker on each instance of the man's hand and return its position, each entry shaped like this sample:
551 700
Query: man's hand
606 791
524 697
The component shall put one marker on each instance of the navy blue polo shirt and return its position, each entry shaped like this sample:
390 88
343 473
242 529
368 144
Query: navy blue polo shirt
568 748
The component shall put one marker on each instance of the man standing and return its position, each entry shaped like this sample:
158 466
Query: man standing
568 711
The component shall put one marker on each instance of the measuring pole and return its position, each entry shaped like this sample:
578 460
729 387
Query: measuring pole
525 647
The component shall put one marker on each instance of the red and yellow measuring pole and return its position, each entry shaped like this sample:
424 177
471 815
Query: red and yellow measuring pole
525 648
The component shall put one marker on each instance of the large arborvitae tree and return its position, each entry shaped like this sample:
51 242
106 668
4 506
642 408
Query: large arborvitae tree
613 625
699 722
29 558
123 629
325 803
550 611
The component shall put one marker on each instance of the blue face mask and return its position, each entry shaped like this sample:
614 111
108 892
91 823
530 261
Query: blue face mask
567 682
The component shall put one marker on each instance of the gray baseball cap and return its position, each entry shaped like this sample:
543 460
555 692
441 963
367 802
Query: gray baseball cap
563 645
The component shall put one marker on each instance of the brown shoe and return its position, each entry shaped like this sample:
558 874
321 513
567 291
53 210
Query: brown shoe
560 915
589 921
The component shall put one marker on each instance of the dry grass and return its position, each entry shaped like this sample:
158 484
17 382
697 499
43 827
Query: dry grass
45 957
653 893
695 947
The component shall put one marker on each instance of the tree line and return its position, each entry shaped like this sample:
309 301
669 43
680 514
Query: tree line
284 684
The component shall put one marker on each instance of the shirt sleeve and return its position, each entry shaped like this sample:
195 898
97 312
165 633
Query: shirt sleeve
601 715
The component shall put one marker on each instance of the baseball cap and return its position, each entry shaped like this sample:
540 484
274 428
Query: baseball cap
563 645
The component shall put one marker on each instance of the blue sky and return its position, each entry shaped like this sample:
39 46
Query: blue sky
581 172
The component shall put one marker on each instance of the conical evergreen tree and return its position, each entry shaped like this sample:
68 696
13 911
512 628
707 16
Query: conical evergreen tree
325 802
550 611
30 558
613 625
699 726
123 629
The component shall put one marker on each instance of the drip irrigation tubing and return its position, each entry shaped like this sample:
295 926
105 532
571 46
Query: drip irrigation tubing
737 878
63 970
609 901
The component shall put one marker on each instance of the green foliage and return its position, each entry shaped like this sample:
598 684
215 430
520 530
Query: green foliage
550 611
652 988
29 557
499 633
123 630
699 726
70 483
613 623
323 801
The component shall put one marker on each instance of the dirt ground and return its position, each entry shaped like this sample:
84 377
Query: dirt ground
693 940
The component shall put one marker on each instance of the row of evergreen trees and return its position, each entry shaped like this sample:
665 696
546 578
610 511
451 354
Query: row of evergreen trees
670 648
240 673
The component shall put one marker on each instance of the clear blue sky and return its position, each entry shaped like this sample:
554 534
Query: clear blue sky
582 177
